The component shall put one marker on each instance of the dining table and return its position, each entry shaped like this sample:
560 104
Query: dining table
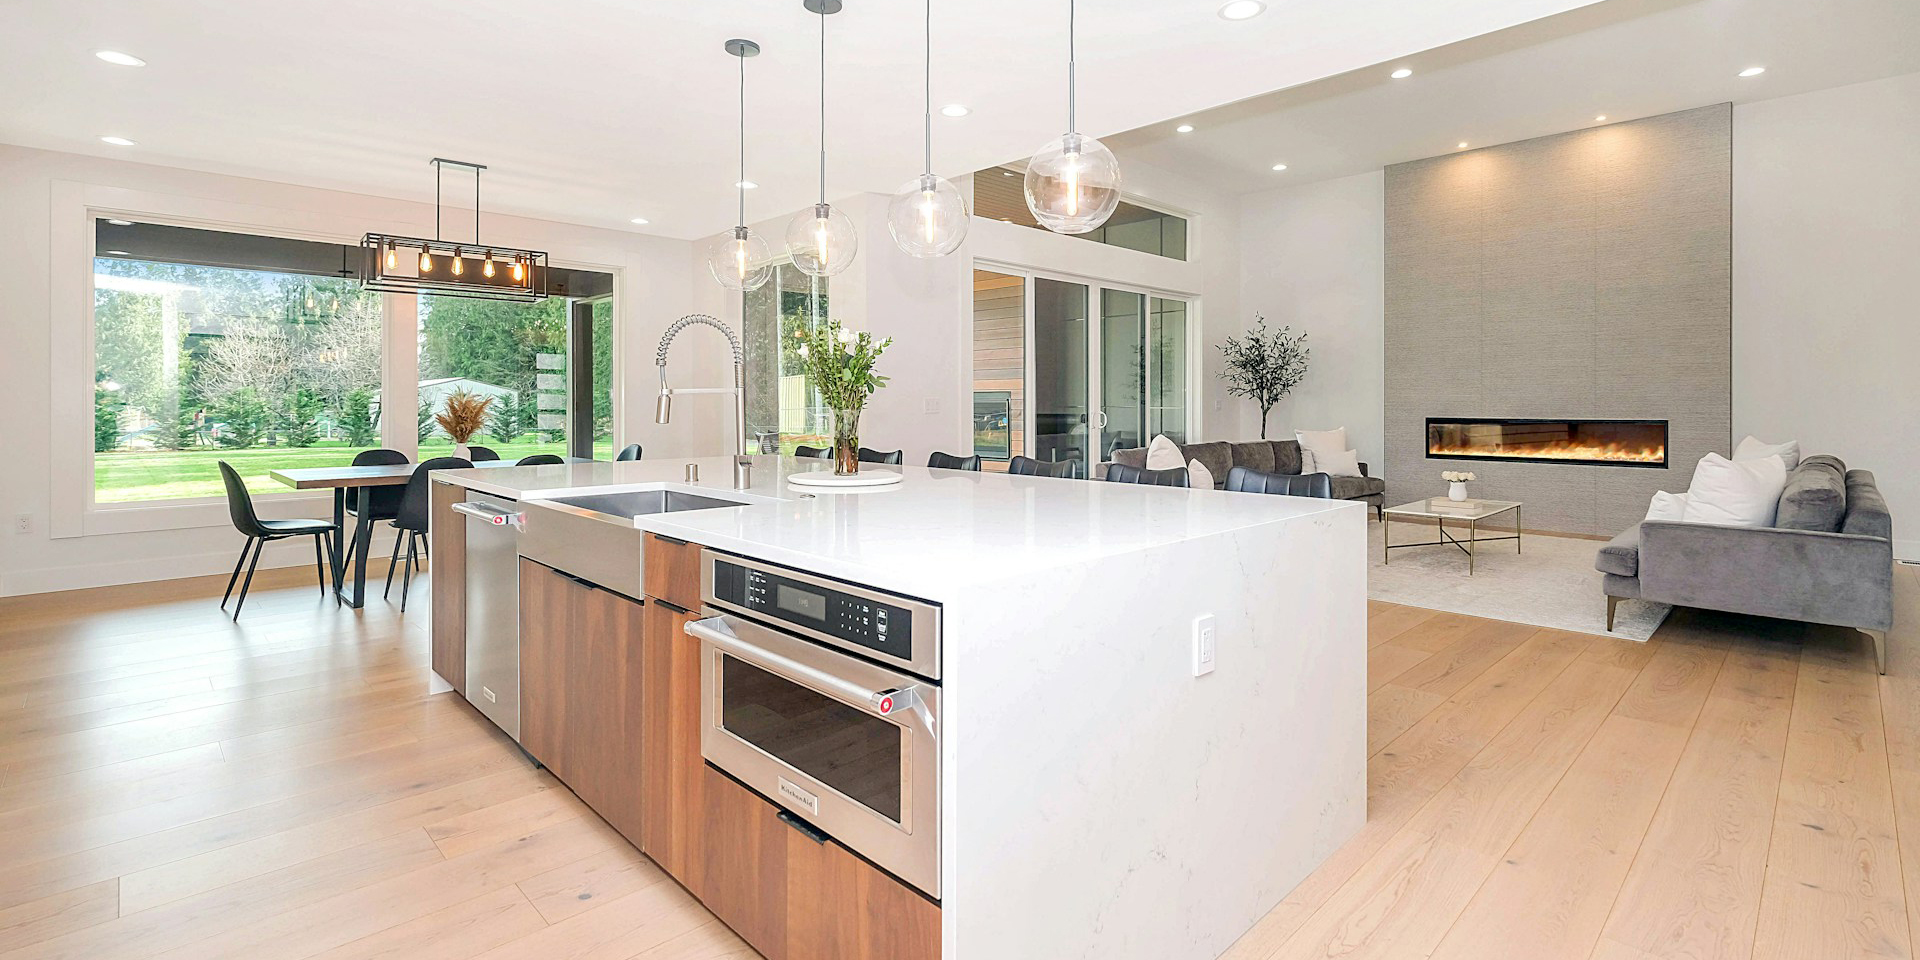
343 478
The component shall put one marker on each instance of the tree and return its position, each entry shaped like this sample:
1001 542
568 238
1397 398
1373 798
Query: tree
1264 365
106 415
426 426
174 420
301 423
244 419
356 418
511 417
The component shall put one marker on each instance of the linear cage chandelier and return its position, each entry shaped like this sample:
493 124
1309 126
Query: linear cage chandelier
454 268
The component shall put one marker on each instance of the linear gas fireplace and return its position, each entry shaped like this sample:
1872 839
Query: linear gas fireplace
1618 443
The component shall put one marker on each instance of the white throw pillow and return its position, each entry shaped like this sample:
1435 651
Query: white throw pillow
1315 444
1164 454
1752 449
1740 493
1668 506
1346 463
1198 476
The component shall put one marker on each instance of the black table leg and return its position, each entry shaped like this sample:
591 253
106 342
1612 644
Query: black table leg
339 536
362 539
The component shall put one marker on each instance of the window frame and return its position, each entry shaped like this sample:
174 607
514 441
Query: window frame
74 206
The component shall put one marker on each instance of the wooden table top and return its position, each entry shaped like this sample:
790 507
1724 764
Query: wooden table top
383 475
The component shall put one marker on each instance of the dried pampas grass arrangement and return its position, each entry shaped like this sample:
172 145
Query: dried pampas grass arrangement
464 416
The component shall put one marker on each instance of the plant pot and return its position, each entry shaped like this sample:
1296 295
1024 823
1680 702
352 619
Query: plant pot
463 451
1457 490
846 441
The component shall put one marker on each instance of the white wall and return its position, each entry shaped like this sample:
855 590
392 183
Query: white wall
1314 257
1826 319
37 245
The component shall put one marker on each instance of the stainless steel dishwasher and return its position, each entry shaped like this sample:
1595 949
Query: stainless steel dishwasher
493 607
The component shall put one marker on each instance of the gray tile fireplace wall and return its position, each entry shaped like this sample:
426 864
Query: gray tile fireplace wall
1587 275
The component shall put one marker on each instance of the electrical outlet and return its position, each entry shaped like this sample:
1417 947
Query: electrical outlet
932 407
1203 645
23 523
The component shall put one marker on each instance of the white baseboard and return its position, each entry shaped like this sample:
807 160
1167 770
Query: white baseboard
283 553
1908 550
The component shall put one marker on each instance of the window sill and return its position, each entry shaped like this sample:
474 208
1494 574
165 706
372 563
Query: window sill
157 516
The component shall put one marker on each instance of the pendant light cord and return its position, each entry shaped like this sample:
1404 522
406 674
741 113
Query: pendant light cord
823 103
929 86
476 206
1070 81
437 167
738 187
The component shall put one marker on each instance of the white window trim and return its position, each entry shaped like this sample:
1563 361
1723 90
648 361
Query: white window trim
73 208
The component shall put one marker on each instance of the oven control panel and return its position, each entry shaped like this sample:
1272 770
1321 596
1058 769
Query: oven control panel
854 618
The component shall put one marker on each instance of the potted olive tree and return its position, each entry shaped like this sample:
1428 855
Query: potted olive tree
1264 365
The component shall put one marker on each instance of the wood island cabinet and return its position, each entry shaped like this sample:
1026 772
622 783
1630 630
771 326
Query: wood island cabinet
581 690
673 777
448 574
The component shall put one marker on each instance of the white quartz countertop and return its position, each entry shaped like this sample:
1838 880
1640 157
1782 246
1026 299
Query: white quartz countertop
935 530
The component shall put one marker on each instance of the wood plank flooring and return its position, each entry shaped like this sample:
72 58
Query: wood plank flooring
173 785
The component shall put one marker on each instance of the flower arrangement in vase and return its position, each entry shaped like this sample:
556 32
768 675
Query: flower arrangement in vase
1457 483
840 364
462 418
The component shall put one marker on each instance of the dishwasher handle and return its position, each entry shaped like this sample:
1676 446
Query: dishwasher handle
497 516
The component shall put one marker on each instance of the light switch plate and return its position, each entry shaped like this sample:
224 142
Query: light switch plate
1205 639
932 407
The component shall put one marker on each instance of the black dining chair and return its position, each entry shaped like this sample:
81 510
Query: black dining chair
1245 480
1121 473
816 453
260 532
1029 467
373 504
947 461
629 452
483 454
415 507
882 456
539 460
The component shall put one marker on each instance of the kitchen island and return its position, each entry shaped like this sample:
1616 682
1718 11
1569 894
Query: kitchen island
1143 721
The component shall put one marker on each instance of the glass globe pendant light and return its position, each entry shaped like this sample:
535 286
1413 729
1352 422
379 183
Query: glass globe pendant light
740 260
1073 183
927 215
822 241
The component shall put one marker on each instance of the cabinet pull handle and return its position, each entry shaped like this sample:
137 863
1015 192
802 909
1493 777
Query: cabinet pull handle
806 829
589 584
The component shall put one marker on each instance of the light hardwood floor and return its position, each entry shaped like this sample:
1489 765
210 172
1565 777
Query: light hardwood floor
172 785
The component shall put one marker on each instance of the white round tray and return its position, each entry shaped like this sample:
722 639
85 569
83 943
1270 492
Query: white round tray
826 478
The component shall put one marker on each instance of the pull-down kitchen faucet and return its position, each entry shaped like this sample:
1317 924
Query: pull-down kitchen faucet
663 408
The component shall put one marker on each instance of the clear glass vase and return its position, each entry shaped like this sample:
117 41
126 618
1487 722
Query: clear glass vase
846 441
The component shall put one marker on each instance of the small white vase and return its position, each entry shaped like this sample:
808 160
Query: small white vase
1457 490
465 452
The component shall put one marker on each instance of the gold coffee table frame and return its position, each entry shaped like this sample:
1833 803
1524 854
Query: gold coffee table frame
1440 510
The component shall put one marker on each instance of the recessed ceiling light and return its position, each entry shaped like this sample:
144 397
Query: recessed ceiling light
1183 128
1401 74
642 221
117 253
1600 119
955 110
747 185
1241 9
1008 173
117 141
1462 145
1279 166
121 223
1753 71
120 59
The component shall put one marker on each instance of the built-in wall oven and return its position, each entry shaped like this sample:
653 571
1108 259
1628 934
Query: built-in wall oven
824 696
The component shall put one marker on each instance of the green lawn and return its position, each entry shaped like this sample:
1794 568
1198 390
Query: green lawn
130 476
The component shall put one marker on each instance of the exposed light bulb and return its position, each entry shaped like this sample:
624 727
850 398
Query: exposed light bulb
740 257
927 213
486 270
820 227
426 261
456 261
393 259
519 270
1073 184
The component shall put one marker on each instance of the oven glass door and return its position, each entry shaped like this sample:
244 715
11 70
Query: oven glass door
846 748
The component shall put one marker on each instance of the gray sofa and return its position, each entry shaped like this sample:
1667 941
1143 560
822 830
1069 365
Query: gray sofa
1828 558
1266 456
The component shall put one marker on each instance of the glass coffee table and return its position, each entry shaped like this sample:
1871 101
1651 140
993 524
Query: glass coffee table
1440 510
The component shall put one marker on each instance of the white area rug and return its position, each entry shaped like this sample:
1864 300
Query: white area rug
1551 582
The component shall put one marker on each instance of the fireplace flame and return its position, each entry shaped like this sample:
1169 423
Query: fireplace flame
1619 452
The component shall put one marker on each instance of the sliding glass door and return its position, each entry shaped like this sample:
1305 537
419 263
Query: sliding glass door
1105 367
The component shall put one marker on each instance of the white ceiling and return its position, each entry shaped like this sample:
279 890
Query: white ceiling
1623 58
597 111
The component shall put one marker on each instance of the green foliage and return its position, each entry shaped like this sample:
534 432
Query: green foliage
840 364
425 425
1264 365
106 416
244 419
512 417
301 423
356 418
178 428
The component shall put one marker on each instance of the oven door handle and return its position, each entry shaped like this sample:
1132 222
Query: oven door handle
883 703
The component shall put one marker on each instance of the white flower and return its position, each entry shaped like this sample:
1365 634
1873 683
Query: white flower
803 350
846 336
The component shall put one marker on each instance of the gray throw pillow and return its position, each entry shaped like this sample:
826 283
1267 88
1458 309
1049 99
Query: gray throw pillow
1815 498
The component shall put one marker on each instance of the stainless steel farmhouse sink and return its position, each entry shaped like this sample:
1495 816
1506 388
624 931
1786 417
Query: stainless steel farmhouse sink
639 503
